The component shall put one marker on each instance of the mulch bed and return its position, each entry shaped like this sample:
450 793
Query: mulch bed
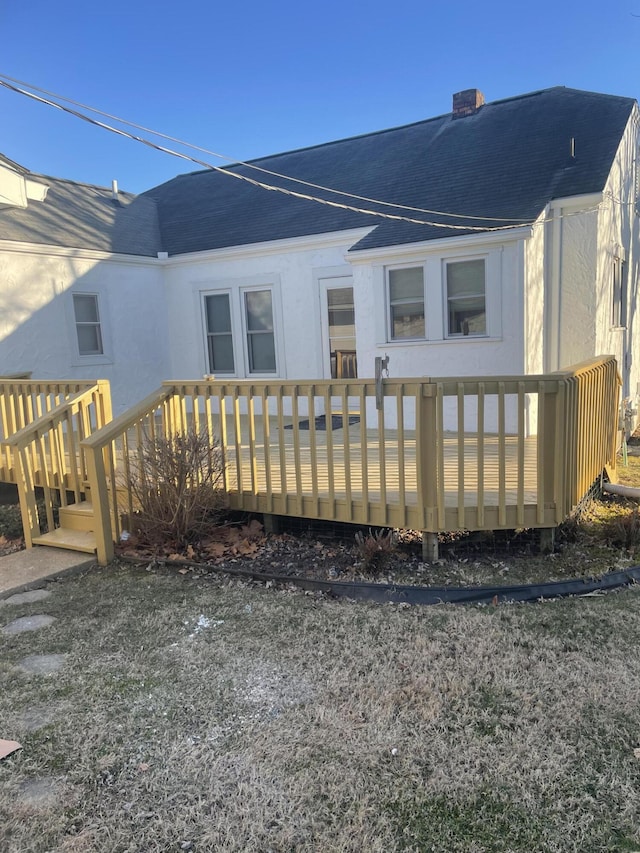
330 553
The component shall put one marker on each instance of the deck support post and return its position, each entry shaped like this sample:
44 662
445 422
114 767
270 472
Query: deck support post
271 523
547 540
429 547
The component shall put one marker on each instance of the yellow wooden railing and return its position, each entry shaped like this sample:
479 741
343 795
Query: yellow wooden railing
434 454
22 401
47 453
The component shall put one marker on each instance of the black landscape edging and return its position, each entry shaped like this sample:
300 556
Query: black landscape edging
405 594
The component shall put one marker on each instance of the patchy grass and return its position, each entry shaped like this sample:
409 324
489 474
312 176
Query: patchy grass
195 714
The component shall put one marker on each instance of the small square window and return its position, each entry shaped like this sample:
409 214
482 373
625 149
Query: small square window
87 318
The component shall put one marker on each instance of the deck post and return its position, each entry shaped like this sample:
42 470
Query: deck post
429 547
427 460
100 501
547 540
271 523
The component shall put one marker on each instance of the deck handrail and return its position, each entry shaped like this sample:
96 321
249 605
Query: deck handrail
47 453
574 414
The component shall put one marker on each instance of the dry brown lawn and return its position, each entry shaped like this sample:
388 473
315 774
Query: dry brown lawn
204 715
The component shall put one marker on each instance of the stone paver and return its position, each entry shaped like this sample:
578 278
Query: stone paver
26 597
28 623
42 664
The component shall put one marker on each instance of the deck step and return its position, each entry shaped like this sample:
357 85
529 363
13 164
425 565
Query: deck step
72 540
77 516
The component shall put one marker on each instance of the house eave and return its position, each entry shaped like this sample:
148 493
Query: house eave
410 250
24 248
327 240
586 201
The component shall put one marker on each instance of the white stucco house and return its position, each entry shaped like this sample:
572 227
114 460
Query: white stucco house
507 243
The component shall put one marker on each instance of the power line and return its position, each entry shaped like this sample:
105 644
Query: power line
271 187
253 181
251 165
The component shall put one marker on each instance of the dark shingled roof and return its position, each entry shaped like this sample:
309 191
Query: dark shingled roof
81 216
508 160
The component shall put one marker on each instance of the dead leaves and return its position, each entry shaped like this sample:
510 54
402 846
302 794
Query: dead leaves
232 542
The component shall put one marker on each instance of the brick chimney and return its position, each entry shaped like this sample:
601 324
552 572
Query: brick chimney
467 102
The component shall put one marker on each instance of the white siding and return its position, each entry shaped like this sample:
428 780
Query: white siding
37 328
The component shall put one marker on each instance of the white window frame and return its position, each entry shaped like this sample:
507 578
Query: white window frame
78 358
446 263
388 271
236 291
436 303
209 366
246 332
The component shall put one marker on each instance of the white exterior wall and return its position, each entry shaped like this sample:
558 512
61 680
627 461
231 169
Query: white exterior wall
37 324
500 352
618 228
292 269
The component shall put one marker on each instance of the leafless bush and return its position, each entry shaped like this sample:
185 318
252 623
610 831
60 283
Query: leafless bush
623 531
177 486
375 548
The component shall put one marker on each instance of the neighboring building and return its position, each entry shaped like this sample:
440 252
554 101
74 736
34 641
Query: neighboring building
533 269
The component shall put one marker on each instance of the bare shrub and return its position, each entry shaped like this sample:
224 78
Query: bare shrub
375 548
623 531
177 486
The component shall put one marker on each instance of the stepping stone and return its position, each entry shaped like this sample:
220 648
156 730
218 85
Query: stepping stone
39 793
37 718
27 597
27 623
42 664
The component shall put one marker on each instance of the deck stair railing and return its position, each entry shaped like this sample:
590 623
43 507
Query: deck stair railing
440 454
45 456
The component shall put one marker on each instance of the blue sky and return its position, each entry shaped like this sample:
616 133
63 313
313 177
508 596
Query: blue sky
249 79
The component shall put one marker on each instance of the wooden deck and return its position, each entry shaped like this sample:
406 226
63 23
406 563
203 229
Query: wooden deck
525 452
302 481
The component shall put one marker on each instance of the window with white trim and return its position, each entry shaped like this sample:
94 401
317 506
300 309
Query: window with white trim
219 333
406 303
261 350
87 319
465 283
239 331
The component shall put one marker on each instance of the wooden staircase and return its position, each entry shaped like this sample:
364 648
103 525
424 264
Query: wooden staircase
75 532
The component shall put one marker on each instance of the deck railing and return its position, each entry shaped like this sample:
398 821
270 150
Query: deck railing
22 401
434 454
47 453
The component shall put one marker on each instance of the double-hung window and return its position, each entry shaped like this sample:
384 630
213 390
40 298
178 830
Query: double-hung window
233 317
219 333
87 320
466 298
406 303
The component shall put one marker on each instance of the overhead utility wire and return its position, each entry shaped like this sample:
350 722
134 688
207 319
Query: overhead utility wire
253 181
517 222
250 165
245 163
